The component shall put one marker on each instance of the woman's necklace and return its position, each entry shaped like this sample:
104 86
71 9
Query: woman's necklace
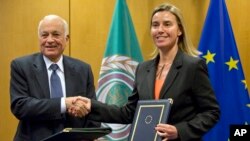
158 75
160 70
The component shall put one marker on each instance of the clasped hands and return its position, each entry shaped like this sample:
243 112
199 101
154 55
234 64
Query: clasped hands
78 106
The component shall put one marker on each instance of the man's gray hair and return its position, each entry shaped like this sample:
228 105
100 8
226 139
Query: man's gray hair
65 24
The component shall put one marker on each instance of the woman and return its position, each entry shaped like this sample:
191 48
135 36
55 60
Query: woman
175 72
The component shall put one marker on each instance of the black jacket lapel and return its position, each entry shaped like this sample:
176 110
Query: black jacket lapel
41 74
70 76
173 73
151 80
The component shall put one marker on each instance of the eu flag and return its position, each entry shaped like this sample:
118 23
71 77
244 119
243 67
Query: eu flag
117 72
219 49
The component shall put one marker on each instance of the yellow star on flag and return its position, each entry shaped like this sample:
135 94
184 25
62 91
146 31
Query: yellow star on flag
245 82
232 64
209 57
248 105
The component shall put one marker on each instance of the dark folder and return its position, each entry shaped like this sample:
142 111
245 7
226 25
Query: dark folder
148 114
79 134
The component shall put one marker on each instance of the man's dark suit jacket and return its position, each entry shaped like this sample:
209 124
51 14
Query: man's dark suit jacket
39 115
195 109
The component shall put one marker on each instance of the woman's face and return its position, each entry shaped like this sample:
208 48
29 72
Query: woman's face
165 30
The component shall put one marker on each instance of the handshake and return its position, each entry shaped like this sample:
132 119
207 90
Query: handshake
78 106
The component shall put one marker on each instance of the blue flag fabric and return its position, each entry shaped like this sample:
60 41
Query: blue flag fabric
117 72
219 49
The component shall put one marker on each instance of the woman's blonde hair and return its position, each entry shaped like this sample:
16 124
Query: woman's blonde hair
184 42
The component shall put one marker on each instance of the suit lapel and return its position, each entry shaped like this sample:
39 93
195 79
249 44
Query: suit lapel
151 71
70 74
41 74
173 73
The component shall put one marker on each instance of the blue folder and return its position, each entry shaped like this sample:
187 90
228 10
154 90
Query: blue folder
148 114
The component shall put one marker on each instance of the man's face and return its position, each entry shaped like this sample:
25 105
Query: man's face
52 38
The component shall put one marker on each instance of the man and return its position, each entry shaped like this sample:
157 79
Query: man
41 96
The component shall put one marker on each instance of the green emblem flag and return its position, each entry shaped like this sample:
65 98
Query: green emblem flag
117 72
